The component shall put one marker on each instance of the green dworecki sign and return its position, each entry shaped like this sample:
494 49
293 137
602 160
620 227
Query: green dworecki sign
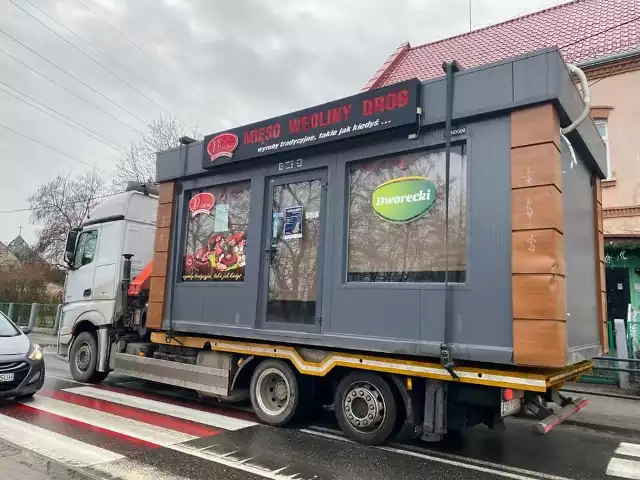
403 199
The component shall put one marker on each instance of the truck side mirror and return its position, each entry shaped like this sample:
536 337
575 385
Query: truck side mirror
70 246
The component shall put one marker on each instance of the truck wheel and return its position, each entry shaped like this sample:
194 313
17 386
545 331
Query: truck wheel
365 407
84 358
274 392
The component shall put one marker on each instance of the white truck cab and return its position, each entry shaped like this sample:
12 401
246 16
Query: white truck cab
122 224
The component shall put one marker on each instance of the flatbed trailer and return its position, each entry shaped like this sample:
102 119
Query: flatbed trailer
428 401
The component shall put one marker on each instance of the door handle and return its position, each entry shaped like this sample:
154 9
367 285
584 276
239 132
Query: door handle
86 293
269 252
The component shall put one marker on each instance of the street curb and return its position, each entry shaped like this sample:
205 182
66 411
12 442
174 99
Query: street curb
602 428
77 473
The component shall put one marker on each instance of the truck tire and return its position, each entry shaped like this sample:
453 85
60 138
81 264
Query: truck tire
274 392
365 407
84 358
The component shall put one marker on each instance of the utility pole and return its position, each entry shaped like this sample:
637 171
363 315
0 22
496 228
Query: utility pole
469 15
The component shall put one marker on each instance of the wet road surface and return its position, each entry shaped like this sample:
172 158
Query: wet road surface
125 429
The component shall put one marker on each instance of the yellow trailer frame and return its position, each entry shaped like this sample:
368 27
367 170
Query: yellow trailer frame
518 378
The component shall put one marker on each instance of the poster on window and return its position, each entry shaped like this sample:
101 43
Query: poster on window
292 222
216 240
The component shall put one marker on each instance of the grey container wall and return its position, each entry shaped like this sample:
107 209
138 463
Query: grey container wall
583 336
408 318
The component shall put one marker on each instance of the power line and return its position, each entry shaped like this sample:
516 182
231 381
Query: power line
74 77
97 49
29 209
601 32
81 2
37 72
100 64
53 148
66 120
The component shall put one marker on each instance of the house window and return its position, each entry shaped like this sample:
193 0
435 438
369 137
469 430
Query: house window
397 218
603 128
215 246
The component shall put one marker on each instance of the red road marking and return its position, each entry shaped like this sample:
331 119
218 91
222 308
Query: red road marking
157 419
228 412
76 423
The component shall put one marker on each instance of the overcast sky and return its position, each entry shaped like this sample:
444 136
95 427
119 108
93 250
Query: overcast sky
212 64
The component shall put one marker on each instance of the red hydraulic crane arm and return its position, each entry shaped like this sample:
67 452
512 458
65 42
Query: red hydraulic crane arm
141 282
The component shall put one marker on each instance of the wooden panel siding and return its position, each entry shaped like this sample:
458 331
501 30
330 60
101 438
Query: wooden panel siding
601 289
161 248
537 223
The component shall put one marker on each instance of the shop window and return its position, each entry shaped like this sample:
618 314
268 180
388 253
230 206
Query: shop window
397 218
215 246
603 128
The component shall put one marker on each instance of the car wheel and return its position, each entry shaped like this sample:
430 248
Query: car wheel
27 396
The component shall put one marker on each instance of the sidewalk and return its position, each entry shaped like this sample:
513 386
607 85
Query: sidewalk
18 464
606 413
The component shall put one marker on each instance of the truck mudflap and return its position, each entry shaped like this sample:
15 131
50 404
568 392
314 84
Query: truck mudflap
549 418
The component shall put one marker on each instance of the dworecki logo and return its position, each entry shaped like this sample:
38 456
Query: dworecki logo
403 199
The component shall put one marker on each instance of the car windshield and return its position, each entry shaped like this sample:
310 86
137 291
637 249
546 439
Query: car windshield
7 328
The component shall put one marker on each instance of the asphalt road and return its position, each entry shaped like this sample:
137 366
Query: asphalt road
127 429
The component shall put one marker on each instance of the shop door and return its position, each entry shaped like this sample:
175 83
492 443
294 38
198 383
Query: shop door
618 294
294 227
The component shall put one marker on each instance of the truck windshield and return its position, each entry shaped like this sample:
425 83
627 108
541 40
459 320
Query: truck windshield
7 328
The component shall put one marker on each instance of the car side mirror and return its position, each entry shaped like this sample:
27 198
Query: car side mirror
26 330
70 246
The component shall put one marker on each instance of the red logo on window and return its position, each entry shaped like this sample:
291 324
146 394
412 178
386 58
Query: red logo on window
201 203
222 145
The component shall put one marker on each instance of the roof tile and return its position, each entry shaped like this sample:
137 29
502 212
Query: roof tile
582 29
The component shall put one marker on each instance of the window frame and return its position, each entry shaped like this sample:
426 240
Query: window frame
462 147
605 138
85 234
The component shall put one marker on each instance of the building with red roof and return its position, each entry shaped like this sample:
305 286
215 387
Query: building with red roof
602 37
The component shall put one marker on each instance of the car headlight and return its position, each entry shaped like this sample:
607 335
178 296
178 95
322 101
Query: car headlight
35 352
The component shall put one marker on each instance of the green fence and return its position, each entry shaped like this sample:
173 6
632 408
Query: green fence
610 377
20 313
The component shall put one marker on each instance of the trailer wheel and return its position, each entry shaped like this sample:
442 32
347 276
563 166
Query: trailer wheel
274 392
365 407
84 359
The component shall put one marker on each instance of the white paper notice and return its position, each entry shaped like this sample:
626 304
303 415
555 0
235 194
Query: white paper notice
221 223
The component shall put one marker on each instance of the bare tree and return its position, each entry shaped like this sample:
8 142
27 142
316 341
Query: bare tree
138 164
60 205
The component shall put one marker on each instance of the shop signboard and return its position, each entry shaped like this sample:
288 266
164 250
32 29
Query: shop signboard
372 111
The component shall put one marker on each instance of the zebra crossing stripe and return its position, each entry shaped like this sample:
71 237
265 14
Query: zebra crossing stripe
628 449
621 467
53 445
206 418
132 428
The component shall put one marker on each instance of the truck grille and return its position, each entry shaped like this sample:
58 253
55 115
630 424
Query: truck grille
19 370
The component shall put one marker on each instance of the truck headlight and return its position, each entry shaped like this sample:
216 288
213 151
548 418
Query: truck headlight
35 352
